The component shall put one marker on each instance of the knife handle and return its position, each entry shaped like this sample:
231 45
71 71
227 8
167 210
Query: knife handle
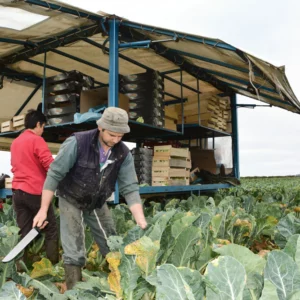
38 229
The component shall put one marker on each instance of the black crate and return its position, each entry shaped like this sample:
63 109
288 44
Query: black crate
141 77
143 170
61 119
146 103
142 151
63 110
147 114
142 164
144 178
64 88
85 80
144 157
58 99
142 87
145 182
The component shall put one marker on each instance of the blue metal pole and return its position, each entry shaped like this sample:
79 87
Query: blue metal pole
193 38
44 82
145 43
182 103
113 97
235 137
198 88
113 62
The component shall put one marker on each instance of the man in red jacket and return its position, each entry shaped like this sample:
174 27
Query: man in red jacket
30 160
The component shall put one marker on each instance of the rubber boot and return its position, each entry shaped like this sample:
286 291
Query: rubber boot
72 275
52 251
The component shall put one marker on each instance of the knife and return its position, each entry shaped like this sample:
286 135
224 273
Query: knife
22 244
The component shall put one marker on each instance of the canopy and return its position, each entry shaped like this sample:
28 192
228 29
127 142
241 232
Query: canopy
74 39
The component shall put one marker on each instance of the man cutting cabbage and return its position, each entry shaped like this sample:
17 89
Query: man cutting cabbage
84 173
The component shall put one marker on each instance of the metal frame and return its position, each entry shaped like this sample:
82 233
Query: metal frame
113 97
113 23
50 44
54 68
182 188
5 192
122 56
235 137
179 35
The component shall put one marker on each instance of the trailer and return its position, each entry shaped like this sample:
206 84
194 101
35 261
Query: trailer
193 69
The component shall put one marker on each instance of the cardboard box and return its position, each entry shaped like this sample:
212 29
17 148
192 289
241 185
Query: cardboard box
171 112
170 124
92 98
204 159
7 126
229 127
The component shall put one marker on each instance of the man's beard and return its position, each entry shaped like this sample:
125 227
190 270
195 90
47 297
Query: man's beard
106 143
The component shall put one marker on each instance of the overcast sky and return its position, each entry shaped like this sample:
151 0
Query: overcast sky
268 137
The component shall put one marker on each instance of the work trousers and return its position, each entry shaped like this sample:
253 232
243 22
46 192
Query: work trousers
72 230
26 207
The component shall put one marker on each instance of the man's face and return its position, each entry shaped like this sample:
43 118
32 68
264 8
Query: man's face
110 138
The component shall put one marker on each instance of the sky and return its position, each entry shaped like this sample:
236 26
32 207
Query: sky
268 137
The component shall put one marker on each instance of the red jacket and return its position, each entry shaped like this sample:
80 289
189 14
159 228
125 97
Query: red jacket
30 161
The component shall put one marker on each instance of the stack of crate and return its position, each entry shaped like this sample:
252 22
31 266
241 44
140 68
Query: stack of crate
17 123
143 164
171 166
214 112
146 97
62 95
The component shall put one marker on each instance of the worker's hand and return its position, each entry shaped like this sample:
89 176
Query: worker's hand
138 214
143 224
40 220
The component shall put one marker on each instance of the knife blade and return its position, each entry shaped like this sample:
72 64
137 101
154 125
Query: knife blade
22 244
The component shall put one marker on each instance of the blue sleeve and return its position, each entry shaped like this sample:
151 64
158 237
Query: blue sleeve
62 163
127 178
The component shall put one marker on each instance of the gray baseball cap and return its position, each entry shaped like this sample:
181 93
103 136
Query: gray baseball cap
114 119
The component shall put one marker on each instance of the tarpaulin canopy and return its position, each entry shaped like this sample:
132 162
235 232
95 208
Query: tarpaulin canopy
75 39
